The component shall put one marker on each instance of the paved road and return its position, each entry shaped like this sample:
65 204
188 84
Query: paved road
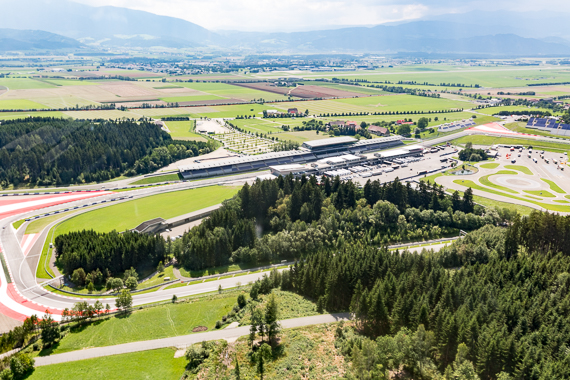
182 341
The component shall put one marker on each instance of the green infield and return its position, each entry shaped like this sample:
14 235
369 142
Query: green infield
157 179
184 130
38 225
153 364
43 264
474 186
18 223
485 181
540 193
151 323
20 104
553 186
431 178
561 201
492 165
130 214
519 168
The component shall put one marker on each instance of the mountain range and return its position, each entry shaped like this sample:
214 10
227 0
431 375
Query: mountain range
474 33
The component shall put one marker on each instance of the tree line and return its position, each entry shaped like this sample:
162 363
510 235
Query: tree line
50 151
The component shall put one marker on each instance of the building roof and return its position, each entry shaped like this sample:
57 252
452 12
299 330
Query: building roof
243 160
331 141
377 128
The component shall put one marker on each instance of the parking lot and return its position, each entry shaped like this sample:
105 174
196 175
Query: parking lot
404 168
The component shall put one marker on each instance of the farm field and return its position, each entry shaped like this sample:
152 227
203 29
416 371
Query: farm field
155 364
230 91
400 103
486 77
22 115
180 99
128 215
23 83
20 104
184 130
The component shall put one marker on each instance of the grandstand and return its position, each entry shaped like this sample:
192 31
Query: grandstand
310 151
447 127
549 125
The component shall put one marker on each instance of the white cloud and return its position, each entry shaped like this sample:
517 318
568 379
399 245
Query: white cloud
293 15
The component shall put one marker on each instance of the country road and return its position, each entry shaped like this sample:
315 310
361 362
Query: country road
182 341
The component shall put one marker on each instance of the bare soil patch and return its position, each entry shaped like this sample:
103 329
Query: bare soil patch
199 329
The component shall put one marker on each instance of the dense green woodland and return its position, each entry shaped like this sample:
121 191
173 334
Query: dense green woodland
490 306
104 255
49 151
289 218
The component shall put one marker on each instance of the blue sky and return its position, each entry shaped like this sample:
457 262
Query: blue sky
295 15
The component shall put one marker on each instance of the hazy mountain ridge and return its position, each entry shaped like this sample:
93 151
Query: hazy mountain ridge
468 33
14 40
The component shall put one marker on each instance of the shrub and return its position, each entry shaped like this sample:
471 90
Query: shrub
219 324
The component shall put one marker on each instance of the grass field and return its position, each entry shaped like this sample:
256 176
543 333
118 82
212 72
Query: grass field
553 186
302 136
485 181
128 215
43 264
154 364
493 165
158 278
20 104
39 224
157 179
540 193
496 110
520 168
184 130
18 223
152 323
